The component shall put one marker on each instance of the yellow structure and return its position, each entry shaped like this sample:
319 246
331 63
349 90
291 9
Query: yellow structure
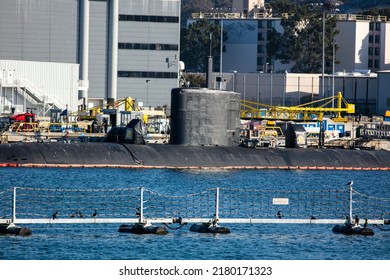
129 103
303 112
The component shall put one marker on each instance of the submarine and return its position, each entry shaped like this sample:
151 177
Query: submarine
205 133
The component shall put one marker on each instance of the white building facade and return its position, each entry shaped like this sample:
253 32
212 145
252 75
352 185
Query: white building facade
292 89
248 7
363 43
246 46
38 86
123 48
363 48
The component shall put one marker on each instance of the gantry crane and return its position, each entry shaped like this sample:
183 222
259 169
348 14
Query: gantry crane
303 112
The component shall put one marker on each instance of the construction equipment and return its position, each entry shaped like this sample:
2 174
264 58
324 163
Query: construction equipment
24 117
129 104
387 116
303 112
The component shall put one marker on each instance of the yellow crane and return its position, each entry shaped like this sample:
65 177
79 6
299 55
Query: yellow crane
130 104
314 110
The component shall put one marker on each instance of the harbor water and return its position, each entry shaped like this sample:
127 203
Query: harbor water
245 242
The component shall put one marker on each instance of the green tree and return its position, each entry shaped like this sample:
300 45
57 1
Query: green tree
301 42
195 45
378 12
193 6
280 7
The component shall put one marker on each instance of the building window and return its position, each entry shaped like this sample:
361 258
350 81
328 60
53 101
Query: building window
157 47
371 26
260 49
377 26
377 39
370 52
164 19
370 63
260 36
260 61
260 24
377 51
270 24
376 63
142 74
370 38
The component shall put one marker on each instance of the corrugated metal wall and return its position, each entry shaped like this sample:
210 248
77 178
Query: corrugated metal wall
147 7
39 30
42 30
157 91
98 49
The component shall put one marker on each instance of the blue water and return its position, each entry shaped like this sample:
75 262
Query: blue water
252 242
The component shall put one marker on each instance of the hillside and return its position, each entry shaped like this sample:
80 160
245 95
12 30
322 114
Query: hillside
352 6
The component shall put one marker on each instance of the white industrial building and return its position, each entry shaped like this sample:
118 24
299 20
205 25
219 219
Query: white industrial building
384 92
363 43
246 49
86 53
362 50
291 89
94 51
40 85
248 7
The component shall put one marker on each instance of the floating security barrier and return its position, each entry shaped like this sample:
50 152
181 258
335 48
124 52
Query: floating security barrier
349 230
143 229
15 230
40 206
353 227
209 228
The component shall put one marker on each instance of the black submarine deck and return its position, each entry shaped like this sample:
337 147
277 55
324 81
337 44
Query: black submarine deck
180 156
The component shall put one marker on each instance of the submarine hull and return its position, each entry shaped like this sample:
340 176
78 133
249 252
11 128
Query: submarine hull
179 156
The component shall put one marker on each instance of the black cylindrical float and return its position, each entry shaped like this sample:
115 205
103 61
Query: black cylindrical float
143 229
207 228
15 230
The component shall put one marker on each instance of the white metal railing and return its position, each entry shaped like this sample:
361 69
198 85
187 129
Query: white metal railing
360 17
227 15
216 15
37 94
140 205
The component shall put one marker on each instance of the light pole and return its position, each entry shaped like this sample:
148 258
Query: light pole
234 80
271 86
323 53
258 90
209 76
147 92
220 62
244 86
333 58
